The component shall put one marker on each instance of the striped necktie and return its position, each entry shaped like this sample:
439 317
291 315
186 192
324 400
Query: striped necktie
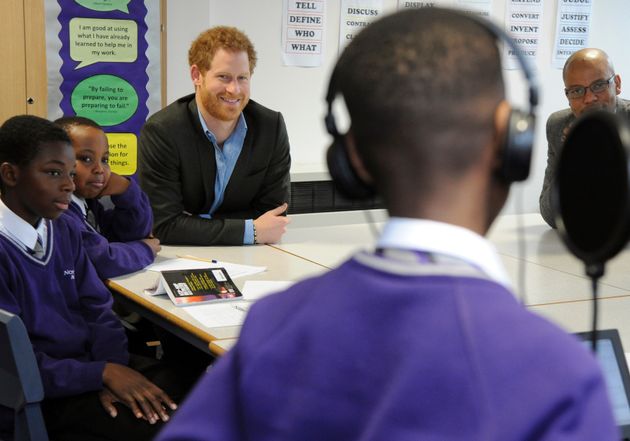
89 217
38 249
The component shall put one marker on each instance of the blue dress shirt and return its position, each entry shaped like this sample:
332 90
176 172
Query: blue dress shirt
226 158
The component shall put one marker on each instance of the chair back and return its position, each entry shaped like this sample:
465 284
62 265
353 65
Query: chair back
20 382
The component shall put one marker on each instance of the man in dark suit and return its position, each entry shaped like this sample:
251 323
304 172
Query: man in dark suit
215 164
590 83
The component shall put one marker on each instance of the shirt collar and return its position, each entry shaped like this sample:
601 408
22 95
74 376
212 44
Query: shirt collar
18 229
81 203
241 125
447 239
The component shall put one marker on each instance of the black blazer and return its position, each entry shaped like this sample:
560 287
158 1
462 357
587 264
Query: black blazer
177 169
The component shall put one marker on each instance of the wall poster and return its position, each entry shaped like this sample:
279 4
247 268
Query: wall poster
99 67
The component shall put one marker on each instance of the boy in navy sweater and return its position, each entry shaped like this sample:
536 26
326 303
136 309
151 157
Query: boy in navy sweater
117 239
47 279
420 339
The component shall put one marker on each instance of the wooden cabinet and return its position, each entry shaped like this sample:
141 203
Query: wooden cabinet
22 58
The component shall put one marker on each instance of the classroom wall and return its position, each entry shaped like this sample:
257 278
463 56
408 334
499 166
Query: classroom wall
299 92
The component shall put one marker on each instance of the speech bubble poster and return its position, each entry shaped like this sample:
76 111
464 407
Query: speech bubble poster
104 71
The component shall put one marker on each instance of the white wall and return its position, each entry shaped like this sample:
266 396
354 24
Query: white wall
299 92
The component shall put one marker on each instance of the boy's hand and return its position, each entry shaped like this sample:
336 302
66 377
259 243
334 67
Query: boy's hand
107 401
154 244
115 185
144 398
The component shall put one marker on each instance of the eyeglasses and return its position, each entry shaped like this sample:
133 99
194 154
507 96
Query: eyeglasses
577 92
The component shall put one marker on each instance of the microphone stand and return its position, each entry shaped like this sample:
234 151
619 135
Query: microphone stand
595 271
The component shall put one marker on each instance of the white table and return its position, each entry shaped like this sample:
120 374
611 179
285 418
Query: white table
555 283
129 289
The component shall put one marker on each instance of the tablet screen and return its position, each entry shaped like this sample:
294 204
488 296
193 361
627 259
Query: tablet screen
615 369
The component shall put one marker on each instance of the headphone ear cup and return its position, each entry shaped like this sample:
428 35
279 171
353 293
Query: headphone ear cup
345 178
517 146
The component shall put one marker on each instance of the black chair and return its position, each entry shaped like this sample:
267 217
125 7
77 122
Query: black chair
20 383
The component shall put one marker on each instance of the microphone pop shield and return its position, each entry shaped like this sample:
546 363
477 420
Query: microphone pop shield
591 191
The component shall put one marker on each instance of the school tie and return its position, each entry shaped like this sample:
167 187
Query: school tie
38 249
89 217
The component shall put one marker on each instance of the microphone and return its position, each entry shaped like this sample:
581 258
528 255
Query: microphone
591 193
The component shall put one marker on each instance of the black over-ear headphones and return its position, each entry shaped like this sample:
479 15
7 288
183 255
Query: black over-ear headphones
517 145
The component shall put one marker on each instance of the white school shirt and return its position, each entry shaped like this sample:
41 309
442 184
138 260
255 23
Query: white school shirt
21 232
81 203
451 240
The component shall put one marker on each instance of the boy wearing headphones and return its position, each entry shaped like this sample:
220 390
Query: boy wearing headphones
422 338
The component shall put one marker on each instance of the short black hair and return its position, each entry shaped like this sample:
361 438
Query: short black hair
67 122
421 87
22 137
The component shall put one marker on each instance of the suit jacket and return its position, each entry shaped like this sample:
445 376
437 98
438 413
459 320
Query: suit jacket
558 125
177 170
